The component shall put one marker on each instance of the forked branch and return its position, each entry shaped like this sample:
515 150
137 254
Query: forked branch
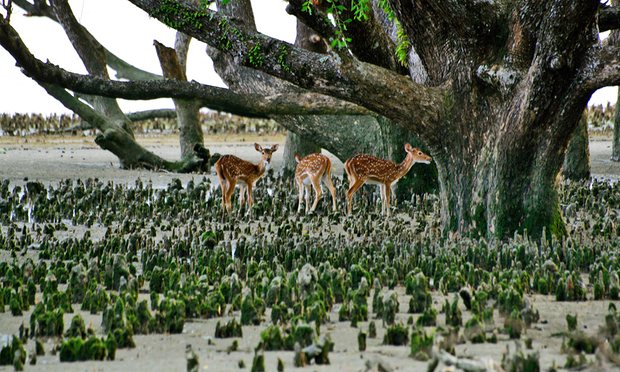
8 7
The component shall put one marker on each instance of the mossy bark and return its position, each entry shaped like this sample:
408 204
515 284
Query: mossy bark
577 160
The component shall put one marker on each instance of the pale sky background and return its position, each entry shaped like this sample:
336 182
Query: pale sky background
131 38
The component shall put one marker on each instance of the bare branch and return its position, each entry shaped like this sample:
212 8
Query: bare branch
215 98
8 6
36 9
87 113
128 71
92 54
152 114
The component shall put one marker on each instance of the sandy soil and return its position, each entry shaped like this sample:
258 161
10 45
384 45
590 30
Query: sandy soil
51 159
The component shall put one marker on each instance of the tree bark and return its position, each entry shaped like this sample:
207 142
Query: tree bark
173 66
577 160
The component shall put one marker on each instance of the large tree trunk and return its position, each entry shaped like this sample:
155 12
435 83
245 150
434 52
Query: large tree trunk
577 160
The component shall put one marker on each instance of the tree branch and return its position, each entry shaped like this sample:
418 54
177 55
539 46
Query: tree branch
371 39
39 8
215 98
86 112
124 70
608 18
117 140
92 54
604 68
314 18
128 71
8 7
152 114
362 83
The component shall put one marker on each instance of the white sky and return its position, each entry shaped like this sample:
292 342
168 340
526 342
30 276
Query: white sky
131 38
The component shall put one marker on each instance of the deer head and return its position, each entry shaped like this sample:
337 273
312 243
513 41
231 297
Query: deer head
266 153
417 154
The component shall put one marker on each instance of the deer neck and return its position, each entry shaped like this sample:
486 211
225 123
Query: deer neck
405 165
261 167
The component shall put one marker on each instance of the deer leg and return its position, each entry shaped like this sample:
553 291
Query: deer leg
241 195
229 192
300 190
328 181
352 189
316 184
382 192
250 201
307 197
388 197
223 187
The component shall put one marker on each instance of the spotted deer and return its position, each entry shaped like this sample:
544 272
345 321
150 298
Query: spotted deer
232 170
310 171
364 168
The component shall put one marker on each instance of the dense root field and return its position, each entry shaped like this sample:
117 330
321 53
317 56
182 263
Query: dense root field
156 269
93 269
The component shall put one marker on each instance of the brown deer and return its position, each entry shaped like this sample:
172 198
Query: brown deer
363 169
232 170
311 170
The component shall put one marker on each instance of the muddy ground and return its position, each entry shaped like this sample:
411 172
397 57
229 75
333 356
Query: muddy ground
50 159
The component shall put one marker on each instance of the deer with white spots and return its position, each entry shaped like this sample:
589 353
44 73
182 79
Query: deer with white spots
311 170
363 169
232 170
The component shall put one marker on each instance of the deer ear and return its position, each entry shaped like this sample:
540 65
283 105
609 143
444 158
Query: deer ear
297 158
274 148
258 147
408 147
